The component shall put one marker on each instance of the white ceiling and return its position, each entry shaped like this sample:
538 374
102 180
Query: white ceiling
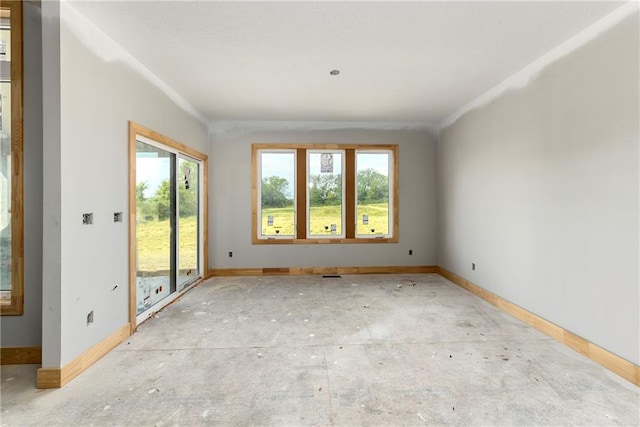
398 61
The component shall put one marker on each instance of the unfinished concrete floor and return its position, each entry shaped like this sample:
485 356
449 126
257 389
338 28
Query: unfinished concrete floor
359 350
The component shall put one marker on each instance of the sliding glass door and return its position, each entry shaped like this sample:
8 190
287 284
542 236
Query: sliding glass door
168 224
188 221
155 229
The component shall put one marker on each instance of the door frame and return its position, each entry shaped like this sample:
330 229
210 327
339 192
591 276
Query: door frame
136 129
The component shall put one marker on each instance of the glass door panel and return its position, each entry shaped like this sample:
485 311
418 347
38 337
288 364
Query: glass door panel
5 166
188 221
155 224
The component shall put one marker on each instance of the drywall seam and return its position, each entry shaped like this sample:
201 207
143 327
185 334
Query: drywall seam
109 50
235 127
522 78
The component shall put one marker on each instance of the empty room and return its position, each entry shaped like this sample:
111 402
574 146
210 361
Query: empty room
319 213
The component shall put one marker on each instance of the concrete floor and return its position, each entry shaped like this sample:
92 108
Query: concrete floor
359 350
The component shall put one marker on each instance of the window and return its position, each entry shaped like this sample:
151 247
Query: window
325 207
11 160
374 191
324 193
276 188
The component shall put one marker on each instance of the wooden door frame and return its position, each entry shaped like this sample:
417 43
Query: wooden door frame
136 129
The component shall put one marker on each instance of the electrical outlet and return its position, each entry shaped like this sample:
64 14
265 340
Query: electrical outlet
90 317
230 254
410 251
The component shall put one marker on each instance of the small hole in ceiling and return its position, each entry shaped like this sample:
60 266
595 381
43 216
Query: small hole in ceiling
334 72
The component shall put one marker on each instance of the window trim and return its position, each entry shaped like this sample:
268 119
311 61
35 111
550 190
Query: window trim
349 193
15 307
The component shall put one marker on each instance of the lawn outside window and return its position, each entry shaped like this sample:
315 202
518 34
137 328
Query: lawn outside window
324 193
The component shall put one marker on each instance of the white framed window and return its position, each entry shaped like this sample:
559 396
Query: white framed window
276 216
325 195
374 193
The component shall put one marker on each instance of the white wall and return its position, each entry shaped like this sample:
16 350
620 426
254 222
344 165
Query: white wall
540 189
100 91
51 200
26 330
230 197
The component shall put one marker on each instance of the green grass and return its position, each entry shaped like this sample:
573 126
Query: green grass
283 221
154 241
153 236
322 216
378 219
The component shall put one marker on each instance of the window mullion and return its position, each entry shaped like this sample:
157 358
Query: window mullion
301 193
350 193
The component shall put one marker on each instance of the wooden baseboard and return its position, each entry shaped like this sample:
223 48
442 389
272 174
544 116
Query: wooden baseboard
20 356
613 362
58 377
300 271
